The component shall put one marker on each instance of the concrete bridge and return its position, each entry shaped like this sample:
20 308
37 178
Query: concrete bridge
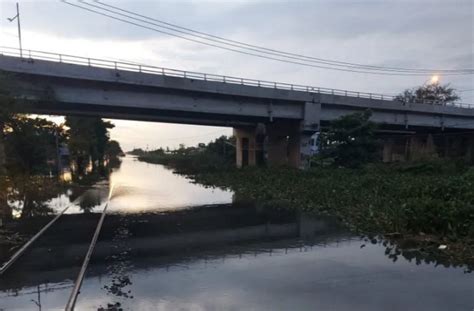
272 121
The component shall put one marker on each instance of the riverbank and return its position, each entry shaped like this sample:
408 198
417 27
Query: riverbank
424 206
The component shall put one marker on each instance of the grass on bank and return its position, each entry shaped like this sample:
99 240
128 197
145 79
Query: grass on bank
374 199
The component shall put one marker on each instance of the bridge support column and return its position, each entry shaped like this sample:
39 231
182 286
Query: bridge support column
288 143
469 156
387 150
299 142
280 142
299 150
277 148
420 148
249 143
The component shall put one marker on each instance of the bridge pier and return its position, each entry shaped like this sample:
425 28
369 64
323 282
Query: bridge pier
425 146
279 142
409 148
470 149
286 144
249 143
274 144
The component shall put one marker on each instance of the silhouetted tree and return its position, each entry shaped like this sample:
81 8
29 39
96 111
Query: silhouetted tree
26 145
88 139
113 150
431 94
137 152
30 143
350 140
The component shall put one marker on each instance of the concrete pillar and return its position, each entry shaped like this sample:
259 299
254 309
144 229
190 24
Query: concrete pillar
277 149
415 149
287 144
244 147
279 142
422 148
249 143
387 150
469 156
299 150
430 147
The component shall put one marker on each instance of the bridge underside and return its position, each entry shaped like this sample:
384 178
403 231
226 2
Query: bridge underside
260 141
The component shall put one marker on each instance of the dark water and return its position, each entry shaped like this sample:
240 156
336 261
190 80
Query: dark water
168 244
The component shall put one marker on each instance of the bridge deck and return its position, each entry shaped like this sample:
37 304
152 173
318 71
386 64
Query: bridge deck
133 91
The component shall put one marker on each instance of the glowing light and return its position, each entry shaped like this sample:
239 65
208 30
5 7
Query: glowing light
434 79
66 176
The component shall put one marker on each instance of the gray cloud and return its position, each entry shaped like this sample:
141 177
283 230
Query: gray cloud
418 33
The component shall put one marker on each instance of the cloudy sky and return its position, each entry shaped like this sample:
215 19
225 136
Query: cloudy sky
404 33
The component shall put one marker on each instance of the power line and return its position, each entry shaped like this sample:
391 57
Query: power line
8 33
240 51
272 51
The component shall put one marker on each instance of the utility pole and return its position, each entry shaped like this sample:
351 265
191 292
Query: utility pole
17 17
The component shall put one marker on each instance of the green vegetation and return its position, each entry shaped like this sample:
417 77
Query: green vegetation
136 152
88 141
217 155
374 199
350 141
431 203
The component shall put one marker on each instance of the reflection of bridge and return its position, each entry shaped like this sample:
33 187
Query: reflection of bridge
276 117
169 240
55 279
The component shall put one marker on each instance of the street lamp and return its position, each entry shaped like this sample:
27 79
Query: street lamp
434 79
17 17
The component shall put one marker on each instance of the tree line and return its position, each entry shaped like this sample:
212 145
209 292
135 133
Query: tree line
30 157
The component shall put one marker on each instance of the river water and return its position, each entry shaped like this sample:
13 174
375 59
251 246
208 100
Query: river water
169 244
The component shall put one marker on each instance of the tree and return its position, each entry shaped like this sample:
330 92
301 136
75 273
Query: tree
433 93
26 145
88 139
137 152
102 137
113 150
223 146
350 140
30 143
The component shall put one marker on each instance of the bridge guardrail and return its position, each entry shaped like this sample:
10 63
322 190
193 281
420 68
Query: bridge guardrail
135 67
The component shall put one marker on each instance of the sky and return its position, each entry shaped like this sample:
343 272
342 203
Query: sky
403 33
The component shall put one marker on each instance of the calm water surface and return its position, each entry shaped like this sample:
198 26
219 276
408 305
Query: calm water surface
168 244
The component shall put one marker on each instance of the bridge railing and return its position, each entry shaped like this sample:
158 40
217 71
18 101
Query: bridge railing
136 67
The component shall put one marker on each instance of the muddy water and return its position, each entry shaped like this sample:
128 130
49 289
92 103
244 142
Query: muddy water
168 244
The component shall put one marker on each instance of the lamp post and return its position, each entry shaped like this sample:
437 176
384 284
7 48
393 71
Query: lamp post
17 17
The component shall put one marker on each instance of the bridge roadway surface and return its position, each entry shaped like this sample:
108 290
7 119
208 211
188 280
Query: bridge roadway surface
62 84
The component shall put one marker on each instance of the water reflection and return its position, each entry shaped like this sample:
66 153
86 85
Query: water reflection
232 256
161 250
142 187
